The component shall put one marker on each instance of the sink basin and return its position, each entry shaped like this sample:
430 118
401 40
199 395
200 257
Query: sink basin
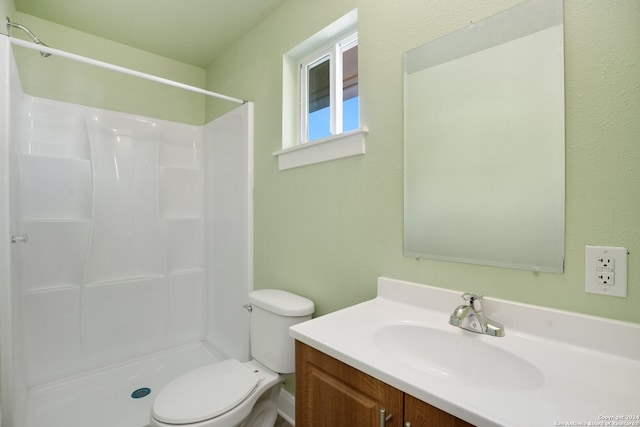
459 357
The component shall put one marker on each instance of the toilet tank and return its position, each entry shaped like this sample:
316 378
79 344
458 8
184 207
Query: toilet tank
273 312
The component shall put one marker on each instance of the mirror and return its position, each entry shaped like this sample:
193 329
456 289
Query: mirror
484 142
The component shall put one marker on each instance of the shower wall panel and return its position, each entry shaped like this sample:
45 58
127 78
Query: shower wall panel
14 384
125 232
181 200
112 205
7 365
229 188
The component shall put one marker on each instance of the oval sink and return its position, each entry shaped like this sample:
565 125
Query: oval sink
457 357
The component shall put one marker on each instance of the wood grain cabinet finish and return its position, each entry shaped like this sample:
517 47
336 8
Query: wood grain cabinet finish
330 393
420 414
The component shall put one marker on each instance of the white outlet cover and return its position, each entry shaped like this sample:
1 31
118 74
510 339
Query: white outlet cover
592 268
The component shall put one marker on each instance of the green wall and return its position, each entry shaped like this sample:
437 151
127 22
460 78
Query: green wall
7 9
66 80
327 231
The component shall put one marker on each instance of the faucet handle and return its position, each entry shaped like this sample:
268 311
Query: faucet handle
473 300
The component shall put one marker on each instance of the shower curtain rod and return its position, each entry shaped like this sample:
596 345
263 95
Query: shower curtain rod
101 64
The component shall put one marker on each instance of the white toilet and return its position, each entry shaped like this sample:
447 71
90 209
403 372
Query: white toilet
231 393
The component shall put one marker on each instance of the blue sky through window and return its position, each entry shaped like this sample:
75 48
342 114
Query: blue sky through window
319 120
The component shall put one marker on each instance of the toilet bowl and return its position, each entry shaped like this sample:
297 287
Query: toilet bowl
223 394
231 393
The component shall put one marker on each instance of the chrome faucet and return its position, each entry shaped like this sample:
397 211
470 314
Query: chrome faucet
469 316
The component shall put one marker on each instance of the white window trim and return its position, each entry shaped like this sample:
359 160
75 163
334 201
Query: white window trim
333 147
347 144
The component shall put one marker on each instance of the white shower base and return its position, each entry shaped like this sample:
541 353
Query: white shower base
102 398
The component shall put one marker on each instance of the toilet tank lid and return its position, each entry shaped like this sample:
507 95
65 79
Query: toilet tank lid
281 302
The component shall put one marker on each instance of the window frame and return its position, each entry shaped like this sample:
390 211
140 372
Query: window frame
334 52
348 144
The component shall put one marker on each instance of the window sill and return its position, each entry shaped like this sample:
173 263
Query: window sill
323 150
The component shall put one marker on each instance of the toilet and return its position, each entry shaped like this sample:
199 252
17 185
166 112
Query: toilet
232 393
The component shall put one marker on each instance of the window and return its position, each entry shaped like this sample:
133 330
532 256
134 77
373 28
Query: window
329 91
321 97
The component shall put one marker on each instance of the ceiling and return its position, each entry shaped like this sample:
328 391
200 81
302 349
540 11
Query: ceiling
189 31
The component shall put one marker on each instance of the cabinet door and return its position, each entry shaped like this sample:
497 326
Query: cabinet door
330 393
420 414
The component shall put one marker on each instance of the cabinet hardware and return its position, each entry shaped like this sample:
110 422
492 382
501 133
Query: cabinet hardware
384 417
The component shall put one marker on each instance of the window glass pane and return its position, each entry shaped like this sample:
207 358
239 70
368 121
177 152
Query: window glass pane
319 123
319 97
350 107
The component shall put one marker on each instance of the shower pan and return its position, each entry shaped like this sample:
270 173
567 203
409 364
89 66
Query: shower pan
125 255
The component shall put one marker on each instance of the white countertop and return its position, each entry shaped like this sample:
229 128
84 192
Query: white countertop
589 366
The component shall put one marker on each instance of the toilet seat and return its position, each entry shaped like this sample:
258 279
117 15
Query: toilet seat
204 393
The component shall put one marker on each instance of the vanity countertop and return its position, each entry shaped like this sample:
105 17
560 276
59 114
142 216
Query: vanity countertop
552 368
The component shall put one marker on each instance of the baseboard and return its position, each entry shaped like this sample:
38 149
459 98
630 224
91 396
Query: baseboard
287 406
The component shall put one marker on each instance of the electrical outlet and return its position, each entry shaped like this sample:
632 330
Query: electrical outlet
605 270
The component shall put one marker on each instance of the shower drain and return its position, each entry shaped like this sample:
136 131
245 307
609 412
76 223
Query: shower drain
141 392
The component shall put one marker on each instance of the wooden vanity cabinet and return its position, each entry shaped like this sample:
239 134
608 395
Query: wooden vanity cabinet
330 393
420 414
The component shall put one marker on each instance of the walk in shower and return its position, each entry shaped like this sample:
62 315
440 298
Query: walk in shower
125 254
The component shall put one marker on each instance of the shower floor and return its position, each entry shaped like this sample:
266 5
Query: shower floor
102 398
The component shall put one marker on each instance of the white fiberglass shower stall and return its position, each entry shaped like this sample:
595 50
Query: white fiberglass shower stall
125 255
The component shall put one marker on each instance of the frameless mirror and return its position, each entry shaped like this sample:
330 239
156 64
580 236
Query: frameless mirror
484 142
